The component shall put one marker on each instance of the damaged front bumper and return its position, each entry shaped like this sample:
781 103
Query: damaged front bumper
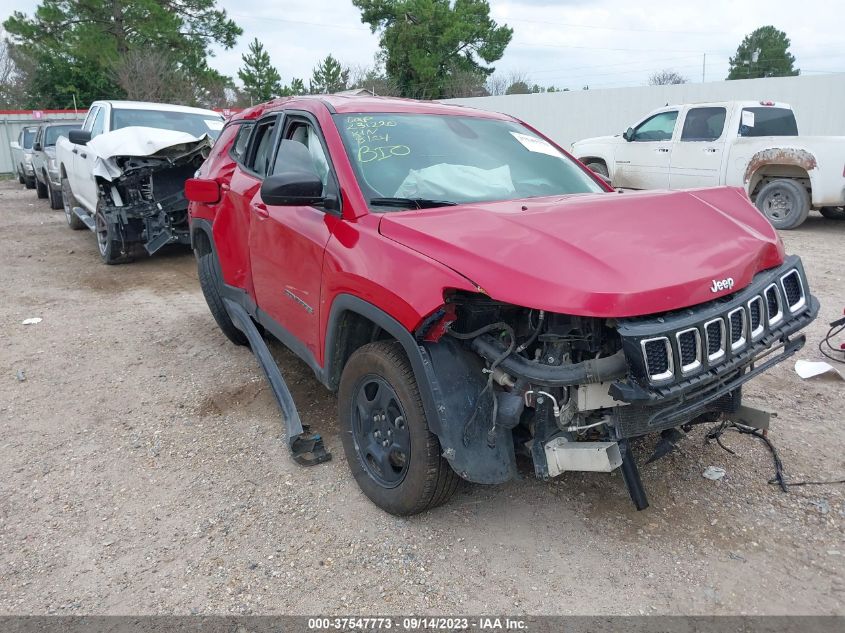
144 195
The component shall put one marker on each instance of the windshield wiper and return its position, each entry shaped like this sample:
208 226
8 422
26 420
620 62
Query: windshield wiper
411 203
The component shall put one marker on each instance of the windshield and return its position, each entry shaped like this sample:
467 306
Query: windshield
194 124
454 159
52 133
29 137
769 122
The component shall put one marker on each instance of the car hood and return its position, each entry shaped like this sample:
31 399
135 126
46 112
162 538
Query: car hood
141 142
610 138
602 255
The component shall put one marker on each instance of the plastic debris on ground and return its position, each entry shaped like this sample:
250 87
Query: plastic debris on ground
713 473
810 369
31 321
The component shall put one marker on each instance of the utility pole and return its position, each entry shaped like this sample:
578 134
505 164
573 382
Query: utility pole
703 67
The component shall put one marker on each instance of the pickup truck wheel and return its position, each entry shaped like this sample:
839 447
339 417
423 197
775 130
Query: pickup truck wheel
21 179
833 213
392 454
599 168
55 198
40 189
29 182
109 243
785 202
210 282
69 202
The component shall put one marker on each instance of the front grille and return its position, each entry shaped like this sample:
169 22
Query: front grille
715 332
773 312
791 283
688 343
736 320
658 358
689 349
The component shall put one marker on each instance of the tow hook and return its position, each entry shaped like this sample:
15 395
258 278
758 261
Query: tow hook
306 448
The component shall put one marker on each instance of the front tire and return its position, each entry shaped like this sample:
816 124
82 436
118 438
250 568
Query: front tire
833 213
40 189
391 452
786 203
210 282
69 202
599 168
109 243
55 198
29 183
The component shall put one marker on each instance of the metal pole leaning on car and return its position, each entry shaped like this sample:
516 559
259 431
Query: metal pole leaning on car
307 449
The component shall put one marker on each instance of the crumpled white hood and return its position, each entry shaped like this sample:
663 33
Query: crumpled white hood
136 141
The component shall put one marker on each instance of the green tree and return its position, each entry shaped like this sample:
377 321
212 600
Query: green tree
763 53
261 81
329 76
425 43
72 47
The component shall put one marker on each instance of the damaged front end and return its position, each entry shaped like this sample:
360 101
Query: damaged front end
569 392
143 196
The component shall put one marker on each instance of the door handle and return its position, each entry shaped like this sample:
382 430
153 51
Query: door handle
662 149
260 210
75 151
84 155
710 149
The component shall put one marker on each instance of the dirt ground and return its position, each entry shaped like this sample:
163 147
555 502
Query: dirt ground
143 472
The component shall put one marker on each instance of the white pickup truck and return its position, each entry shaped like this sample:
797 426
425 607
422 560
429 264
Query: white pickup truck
123 173
749 144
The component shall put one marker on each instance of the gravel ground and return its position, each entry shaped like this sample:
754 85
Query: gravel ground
143 473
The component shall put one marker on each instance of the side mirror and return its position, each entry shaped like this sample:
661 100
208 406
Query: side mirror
628 134
15 145
202 190
292 188
79 137
36 146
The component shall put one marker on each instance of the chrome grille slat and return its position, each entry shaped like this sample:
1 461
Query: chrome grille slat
714 331
755 318
774 310
793 291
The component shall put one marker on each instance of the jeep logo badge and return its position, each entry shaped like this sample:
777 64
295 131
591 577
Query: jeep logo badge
722 284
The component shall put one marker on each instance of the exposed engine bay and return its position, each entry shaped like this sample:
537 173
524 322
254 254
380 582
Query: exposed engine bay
569 392
146 202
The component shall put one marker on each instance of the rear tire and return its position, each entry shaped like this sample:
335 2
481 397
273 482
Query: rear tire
211 282
391 452
786 203
833 213
40 189
109 242
29 183
21 179
69 202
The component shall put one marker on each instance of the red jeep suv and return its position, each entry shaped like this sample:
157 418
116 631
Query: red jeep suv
474 294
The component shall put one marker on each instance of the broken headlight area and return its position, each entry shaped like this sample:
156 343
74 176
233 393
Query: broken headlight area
536 383
147 201
568 392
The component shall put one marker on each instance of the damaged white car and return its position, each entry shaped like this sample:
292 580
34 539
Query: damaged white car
123 173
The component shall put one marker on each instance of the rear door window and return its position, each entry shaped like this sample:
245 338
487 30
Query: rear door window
704 124
260 147
238 150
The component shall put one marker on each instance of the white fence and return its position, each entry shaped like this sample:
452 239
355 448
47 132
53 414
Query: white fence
566 117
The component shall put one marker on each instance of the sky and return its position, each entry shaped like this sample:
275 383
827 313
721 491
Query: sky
568 43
